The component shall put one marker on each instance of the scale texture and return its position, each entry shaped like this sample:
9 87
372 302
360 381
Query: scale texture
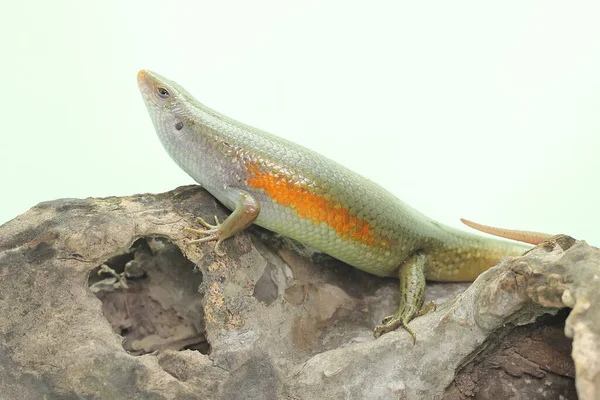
308 197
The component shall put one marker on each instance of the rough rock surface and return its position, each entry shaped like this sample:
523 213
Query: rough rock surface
106 299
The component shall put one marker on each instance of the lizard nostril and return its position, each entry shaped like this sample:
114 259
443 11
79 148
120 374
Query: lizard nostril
179 126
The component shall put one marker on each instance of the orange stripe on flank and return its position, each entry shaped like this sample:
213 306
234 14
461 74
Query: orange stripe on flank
313 206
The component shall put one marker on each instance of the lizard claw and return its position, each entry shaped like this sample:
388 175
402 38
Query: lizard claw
431 306
392 322
206 232
401 318
244 214
209 238
207 225
212 233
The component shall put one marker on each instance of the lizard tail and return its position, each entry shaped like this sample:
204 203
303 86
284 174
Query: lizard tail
534 238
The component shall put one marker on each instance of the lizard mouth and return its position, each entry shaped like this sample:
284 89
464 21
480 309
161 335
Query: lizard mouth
144 81
142 76
147 86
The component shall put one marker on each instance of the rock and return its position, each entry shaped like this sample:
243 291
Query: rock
106 298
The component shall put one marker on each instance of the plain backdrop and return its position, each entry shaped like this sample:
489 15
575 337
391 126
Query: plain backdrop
483 110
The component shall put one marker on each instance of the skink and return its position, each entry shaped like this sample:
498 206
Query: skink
296 192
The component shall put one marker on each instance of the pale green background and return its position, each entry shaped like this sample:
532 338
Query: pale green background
485 110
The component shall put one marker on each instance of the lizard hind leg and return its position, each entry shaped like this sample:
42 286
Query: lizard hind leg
412 295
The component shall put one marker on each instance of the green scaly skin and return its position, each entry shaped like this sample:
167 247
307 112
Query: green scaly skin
296 192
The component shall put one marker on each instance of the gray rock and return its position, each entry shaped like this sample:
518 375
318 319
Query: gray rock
107 299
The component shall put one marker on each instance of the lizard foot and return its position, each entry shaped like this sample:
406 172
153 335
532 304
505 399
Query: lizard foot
401 318
213 232
245 213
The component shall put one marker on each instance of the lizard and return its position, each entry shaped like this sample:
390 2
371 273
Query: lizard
296 192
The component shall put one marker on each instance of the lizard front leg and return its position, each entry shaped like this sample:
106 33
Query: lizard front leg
245 213
412 295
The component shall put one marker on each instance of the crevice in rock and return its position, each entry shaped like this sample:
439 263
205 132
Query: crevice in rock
150 296
515 358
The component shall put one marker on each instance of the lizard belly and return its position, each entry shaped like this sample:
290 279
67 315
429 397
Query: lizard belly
325 232
371 258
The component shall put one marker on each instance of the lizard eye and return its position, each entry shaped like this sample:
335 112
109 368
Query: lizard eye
162 92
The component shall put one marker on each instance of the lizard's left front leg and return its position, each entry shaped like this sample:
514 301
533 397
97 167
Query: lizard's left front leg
245 213
412 295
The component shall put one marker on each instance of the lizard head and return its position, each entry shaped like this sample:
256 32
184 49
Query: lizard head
170 107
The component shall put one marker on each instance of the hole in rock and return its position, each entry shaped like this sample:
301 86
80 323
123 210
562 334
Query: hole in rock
150 297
